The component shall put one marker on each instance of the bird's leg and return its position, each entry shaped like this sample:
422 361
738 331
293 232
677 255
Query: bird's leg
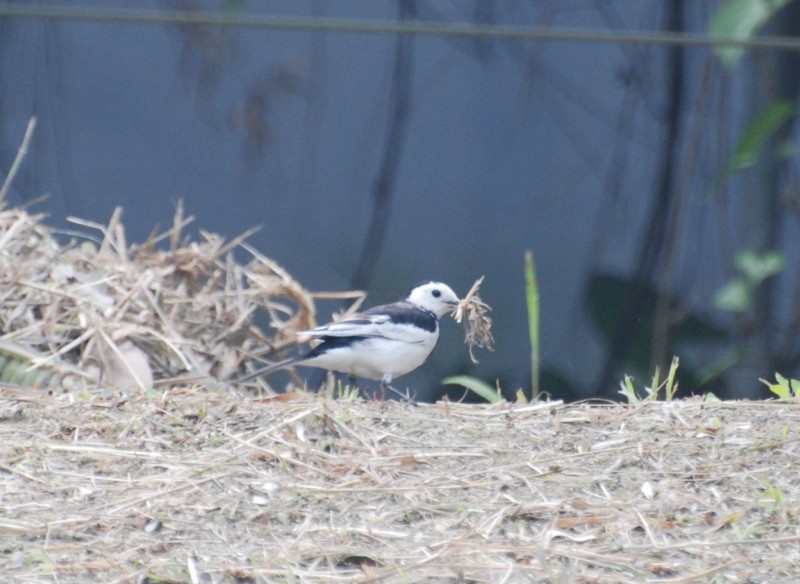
387 379
352 380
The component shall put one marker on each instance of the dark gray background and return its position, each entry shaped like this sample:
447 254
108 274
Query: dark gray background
556 146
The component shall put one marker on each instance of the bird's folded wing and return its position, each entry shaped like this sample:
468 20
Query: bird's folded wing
352 327
376 326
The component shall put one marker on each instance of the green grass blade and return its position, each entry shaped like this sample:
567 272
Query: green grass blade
476 386
532 295
652 392
627 390
669 392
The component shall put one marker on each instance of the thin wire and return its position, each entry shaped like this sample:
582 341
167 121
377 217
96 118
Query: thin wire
385 27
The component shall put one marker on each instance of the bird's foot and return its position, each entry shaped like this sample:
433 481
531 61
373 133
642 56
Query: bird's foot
406 397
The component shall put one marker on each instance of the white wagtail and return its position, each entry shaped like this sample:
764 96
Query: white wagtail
381 343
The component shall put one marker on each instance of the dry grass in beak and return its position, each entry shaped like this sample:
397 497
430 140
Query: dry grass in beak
477 323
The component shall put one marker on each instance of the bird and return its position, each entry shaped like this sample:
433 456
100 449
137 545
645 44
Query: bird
381 343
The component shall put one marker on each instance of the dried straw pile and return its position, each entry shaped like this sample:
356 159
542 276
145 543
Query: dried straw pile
190 485
97 311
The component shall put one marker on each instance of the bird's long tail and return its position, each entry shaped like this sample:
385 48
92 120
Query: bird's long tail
266 370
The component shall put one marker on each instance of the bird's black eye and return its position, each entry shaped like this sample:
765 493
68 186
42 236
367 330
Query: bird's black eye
436 293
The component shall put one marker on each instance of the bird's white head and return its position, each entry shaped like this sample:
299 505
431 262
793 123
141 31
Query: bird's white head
434 296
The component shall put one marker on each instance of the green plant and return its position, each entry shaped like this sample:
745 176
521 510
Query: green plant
532 297
784 388
475 385
669 386
741 20
738 295
347 392
765 126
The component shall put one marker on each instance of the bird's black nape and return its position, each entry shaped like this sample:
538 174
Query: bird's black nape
419 317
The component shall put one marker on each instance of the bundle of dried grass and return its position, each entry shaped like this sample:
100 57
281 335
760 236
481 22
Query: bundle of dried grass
478 324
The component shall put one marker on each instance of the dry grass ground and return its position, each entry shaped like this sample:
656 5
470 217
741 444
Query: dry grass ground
190 485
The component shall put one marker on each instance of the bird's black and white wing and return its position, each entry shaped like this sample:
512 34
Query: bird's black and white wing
401 321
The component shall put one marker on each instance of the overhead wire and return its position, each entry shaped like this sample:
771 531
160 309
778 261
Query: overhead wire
391 27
